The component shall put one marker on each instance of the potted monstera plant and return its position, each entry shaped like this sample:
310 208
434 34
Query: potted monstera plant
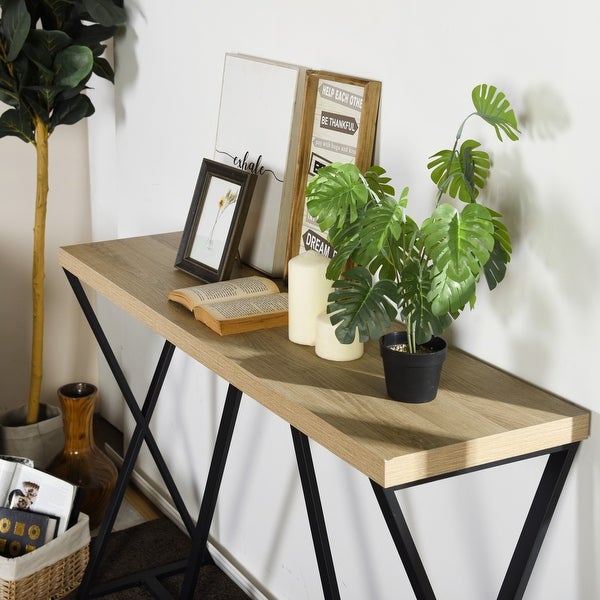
49 50
424 274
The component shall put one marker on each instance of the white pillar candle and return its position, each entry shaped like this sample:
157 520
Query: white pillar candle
329 347
308 289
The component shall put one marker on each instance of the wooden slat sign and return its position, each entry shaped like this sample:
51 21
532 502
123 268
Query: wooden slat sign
339 118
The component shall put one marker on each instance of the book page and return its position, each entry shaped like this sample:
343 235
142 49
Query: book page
244 287
245 307
7 470
32 489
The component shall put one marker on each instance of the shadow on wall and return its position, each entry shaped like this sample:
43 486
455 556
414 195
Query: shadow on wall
547 237
126 42
546 115
549 230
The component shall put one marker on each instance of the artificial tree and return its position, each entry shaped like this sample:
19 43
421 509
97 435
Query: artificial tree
49 50
426 274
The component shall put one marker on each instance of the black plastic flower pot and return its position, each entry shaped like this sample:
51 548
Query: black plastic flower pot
409 377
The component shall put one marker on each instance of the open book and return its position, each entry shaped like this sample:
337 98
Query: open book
237 305
25 488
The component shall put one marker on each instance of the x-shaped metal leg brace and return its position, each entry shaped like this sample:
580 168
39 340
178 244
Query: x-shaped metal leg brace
528 546
141 433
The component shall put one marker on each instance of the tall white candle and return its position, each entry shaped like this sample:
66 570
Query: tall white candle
308 289
329 347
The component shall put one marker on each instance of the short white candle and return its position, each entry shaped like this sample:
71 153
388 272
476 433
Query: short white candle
329 347
308 289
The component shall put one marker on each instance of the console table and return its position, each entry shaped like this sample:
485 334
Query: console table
481 418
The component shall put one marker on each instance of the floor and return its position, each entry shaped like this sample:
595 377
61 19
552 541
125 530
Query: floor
136 508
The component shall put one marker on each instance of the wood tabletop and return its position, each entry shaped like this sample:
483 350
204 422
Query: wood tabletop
481 414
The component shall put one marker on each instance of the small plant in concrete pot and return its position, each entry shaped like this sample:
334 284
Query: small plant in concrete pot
425 275
49 50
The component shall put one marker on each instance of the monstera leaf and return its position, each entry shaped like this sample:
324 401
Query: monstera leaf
426 275
356 304
495 268
416 308
459 243
448 297
493 107
461 174
382 228
336 196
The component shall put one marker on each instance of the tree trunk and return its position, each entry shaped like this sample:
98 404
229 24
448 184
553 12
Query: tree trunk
39 236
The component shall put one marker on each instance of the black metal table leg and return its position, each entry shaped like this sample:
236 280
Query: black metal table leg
123 478
392 513
211 492
315 515
141 433
537 522
528 546
142 416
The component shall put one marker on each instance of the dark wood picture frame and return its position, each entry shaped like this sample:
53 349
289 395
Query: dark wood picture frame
353 107
215 221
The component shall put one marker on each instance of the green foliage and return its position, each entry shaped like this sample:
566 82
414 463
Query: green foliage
492 106
461 173
355 297
425 275
49 49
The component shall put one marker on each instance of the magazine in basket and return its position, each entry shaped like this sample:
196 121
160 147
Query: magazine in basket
25 488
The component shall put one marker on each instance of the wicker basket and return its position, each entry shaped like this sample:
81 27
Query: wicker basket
50 572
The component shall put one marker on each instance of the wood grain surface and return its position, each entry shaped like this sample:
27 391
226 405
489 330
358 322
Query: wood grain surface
481 414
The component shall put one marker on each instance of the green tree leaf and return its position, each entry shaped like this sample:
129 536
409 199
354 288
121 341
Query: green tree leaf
17 123
8 91
42 48
103 69
105 12
69 112
16 23
72 65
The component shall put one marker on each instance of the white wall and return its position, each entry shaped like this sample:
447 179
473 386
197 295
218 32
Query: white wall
68 344
540 325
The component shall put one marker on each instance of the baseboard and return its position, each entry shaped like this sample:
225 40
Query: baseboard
221 557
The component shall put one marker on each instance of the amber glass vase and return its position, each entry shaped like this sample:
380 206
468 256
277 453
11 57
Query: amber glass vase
81 462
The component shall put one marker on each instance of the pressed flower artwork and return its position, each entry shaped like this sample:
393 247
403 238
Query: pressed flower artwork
215 222
214 225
